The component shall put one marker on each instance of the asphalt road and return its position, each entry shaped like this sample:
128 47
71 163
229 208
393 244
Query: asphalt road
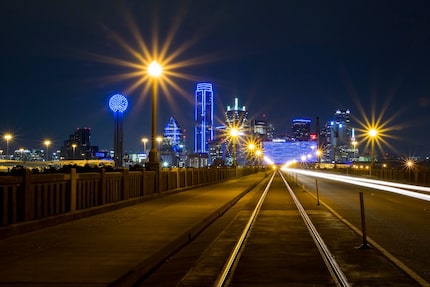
398 223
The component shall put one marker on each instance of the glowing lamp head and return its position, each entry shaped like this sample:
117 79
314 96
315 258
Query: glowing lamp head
47 142
7 137
154 69
118 103
234 132
373 133
251 146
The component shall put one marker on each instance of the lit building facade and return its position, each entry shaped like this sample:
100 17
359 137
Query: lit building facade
173 134
203 117
301 129
236 117
340 132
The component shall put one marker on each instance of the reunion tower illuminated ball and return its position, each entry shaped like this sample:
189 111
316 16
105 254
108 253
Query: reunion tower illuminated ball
118 103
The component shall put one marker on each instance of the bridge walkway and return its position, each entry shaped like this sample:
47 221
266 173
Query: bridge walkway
117 247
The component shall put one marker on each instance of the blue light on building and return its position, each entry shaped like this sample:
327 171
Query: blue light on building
203 117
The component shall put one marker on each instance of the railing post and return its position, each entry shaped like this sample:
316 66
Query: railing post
28 196
73 187
102 195
143 191
125 183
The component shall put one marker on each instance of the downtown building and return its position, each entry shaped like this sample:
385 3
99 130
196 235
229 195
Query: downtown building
172 150
337 138
78 146
301 129
236 117
203 124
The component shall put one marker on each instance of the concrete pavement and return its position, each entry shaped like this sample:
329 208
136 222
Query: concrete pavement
117 247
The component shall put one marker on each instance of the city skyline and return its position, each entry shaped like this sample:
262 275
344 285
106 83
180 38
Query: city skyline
285 60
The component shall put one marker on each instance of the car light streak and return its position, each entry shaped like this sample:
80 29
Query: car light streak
376 184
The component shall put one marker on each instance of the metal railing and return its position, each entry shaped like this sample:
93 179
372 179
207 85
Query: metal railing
30 197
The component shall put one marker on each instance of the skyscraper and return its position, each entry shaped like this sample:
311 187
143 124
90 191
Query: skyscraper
301 129
340 135
237 117
78 145
173 134
203 117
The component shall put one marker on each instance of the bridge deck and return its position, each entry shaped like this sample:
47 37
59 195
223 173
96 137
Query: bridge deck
116 246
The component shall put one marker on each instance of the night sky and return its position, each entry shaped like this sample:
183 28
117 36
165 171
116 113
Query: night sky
62 60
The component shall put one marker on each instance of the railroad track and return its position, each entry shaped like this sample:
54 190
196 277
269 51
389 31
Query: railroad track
269 239
339 279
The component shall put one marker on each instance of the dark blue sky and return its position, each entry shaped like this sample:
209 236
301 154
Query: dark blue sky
285 59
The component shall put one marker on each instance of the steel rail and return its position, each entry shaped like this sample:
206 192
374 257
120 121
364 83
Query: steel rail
333 267
235 255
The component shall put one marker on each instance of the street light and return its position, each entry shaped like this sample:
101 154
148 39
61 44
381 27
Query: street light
159 140
409 166
154 70
234 133
373 133
47 143
251 148
22 153
319 154
354 144
259 155
144 140
7 137
74 149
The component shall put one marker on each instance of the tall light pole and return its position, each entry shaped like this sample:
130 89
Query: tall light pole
74 149
234 133
251 148
159 140
372 134
154 70
258 154
354 144
47 143
7 137
22 153
144 140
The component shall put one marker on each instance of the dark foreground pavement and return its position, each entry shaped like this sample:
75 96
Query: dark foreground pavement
116 248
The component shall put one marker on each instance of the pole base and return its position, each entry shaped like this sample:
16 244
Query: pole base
363 246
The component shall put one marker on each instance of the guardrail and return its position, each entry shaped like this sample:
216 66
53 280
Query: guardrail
30 197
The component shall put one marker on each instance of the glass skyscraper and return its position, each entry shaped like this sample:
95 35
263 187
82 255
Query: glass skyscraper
203 117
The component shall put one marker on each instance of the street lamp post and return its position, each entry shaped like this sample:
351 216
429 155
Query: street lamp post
234 133
319 154
22 153
154 70
74 149
372 134
159 140
144 140
7 137
354 144
258 154
251 148
47 143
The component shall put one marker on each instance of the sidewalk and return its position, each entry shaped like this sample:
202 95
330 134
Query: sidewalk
116 247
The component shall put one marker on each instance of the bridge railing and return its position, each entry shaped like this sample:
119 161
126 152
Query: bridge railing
30 197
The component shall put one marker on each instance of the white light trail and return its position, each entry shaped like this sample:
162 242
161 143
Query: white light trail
376 184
